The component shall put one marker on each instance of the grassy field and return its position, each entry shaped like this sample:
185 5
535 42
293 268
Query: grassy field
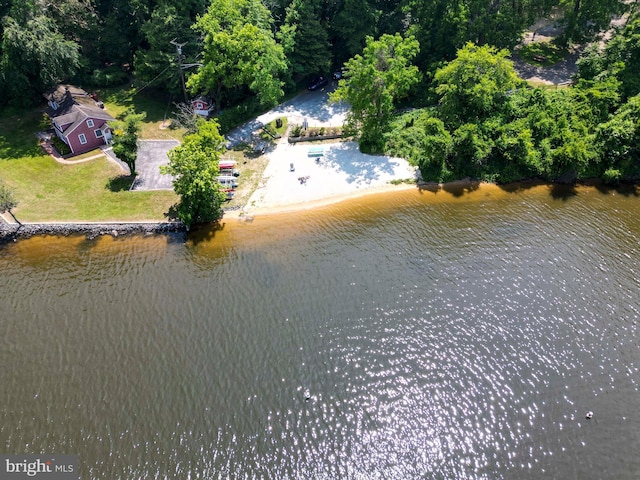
544 54
158 108
49 191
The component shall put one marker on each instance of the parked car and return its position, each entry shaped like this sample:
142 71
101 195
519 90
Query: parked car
337 75
317 83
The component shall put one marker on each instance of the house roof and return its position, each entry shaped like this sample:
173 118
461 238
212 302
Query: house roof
78 116
74 107
203 99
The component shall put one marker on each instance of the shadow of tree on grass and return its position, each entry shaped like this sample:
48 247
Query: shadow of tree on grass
120 183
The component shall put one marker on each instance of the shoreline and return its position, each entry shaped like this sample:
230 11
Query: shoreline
12 232
278 209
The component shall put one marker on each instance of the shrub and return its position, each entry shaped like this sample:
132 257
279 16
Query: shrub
296 130
611 176
62 147
235 116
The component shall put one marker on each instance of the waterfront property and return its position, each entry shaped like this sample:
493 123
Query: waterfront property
79 120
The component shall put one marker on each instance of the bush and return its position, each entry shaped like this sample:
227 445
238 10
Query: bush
236 116
62 147
611 176
296 130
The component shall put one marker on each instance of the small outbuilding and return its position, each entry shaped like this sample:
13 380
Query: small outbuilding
202 105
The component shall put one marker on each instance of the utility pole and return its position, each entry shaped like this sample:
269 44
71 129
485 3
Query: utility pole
180 57
182 66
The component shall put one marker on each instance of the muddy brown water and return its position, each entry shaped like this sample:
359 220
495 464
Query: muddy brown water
455 334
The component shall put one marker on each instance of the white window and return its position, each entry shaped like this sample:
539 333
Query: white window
89 123
98 133
82 138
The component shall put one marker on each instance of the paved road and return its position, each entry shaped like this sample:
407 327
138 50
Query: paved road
152 154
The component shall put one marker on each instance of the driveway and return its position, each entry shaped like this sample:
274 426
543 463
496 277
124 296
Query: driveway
151 155
314 107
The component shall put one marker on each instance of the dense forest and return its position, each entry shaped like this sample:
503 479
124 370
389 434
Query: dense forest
446 60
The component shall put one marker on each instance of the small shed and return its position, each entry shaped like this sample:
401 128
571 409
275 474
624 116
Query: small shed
202 105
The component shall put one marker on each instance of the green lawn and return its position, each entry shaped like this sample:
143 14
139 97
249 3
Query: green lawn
158 107
542 53
49 191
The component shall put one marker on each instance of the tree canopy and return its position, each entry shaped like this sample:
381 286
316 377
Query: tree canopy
125 139
373 83
35 56
475 84
239 51
194 164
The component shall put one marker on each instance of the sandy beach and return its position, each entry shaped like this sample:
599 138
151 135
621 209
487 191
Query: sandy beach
342 172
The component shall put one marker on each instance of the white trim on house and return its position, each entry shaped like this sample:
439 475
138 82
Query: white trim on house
89 123
83 139
98 131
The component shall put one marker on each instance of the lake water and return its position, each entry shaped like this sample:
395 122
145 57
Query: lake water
449 335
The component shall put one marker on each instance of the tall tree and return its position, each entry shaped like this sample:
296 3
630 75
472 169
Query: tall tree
305 39
374 82
118 33
584 16
475 85
125 140
619 142
194 164
356 21
35 56
619 59
444 26
239 52
157 63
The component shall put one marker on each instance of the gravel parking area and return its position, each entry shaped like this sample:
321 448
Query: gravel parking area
151 155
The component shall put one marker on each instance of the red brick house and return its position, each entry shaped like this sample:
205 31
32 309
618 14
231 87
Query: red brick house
78 119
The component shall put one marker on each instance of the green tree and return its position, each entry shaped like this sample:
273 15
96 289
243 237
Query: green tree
619 59
240 52
373 83
35 56
194 164
156 61
589 16
114 39
305 39
444 26
421 138
125 140
618 141
476 84
357 20
7 201
560 130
